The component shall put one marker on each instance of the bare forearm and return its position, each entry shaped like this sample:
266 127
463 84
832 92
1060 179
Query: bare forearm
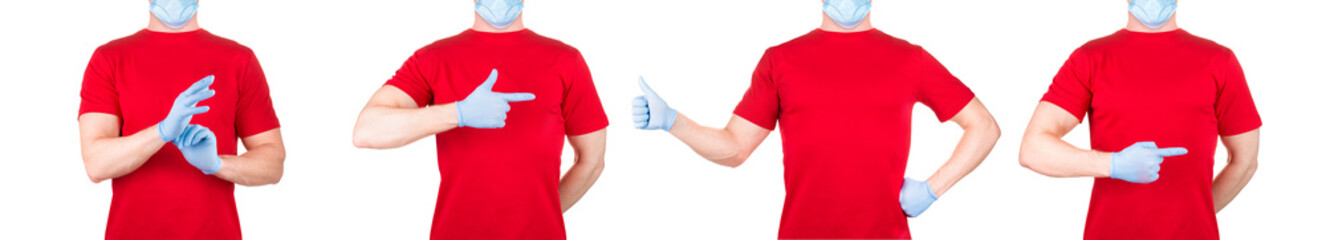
1243 149
717 145
1052 156
385 127
259 166
976 143
1231 181
578 180
107 158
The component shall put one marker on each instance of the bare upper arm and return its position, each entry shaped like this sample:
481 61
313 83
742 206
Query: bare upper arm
594 141
974 114
268 138
747 134
392 97
1243 144
94 126
1051 119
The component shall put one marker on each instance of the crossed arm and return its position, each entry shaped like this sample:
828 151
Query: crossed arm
1044 151
107 155
379 127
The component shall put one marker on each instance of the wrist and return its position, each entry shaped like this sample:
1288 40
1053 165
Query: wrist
448 114
1104 164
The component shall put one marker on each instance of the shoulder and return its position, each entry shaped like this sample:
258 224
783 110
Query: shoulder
1206 45
121 44
227 45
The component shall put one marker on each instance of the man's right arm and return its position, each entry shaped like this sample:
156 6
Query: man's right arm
729 146
392 119
1045 151
108 155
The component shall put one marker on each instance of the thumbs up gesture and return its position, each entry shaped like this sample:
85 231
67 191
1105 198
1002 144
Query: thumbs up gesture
485 108
1140 163
650 112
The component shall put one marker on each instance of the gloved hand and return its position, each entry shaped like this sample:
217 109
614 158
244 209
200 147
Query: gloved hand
1140 163
650 111
485 108
916 197
198 144
185 106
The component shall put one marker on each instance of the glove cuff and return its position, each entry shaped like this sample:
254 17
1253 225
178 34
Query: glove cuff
162 134
460 118
669 120
1114 160
216 169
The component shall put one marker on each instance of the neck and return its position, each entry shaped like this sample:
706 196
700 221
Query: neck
827 24
483 26
1136 26
156 26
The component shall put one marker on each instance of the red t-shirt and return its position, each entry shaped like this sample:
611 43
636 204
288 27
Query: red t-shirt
845 104
137 79
502 183
1172 88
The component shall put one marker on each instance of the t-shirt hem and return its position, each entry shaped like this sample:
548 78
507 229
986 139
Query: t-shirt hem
578 132
944 116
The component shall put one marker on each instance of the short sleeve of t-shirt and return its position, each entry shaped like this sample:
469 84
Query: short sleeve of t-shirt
99 94
253 109
1235 111
939 89
1071 89
414 79
581 109
760 104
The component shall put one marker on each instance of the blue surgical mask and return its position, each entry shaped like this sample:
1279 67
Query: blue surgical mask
847 13
1152 13
174 13
499 13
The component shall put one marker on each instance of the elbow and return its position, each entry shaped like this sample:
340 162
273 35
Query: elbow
1030 160
263 181
93 173
364 141
732 160
1252 167
96 177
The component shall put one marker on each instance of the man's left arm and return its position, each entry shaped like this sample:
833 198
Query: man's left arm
1242 164
262 164
980 132
589 151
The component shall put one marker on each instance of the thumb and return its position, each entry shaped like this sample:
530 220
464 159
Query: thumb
645 87
487 85
517 97
1170 152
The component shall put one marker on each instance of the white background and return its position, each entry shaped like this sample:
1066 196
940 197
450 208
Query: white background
325 58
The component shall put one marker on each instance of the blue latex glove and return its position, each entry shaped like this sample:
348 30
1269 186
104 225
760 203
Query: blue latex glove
185 106
1140 163
198 144
916 197
650 112
485 108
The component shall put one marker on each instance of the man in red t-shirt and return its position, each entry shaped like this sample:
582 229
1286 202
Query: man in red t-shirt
500 100
843 95
1157 97
143 91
